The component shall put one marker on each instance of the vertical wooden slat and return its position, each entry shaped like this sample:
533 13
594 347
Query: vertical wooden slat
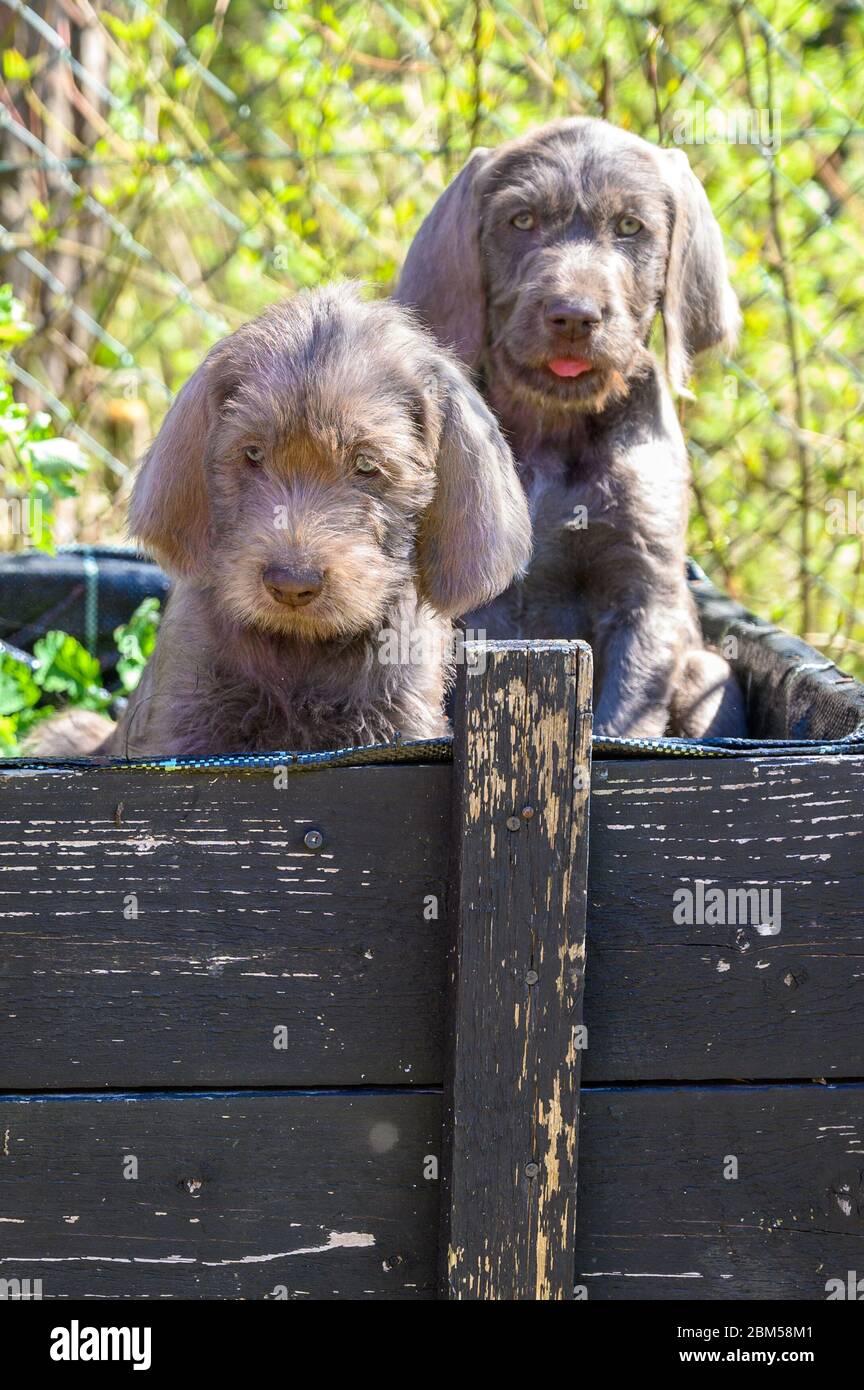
516 967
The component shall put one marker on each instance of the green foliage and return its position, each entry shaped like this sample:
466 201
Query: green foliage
36 466
18 689
135 642
66 674
257 147
66 669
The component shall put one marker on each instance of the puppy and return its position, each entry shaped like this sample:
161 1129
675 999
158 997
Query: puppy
327 478
544 265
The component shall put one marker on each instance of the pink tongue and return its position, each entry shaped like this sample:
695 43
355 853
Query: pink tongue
569 366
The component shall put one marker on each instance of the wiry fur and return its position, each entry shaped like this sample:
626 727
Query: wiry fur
314 384
607 440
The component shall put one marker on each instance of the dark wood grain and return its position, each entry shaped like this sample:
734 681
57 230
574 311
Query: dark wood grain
237 1195
240 930
256 1196
675 1001
522 748
659 1220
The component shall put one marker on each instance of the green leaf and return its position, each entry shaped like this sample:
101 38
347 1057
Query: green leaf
57 456
15 66
14 327
8 737
135 642
67 668
18 690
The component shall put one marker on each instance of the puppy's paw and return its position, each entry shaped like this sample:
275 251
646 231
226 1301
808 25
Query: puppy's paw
708 701
73 733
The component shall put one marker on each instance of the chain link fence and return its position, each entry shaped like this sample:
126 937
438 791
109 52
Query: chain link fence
167 170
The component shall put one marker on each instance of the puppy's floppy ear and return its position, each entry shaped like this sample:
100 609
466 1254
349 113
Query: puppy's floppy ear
699 305
169 511
441 278
476 534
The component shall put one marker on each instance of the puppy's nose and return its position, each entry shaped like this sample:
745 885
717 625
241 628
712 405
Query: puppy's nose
573 316
294 587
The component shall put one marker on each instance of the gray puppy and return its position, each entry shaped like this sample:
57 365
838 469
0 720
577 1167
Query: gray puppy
544 265
327 491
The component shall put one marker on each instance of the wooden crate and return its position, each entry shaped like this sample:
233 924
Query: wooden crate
234 1066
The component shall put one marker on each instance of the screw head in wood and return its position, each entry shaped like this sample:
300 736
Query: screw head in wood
532 1169
513 823
313 839
527 812
531 977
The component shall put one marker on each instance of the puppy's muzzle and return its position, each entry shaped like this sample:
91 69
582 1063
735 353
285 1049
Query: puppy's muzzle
573 318
293 587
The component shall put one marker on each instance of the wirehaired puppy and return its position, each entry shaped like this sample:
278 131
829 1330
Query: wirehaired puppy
544 265
326 478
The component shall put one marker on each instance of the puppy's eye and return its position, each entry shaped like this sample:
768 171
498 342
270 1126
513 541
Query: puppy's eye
254 455
362 464
628 226
524 221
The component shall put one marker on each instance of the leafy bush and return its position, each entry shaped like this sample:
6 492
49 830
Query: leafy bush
64 673
245 150
135 642
38 467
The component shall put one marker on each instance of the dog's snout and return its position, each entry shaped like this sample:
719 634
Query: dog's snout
293 587
574 316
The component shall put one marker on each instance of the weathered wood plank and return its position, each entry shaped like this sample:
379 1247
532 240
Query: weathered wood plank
522 751
262 1195
255 1195
241 930
667 999
660 1219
